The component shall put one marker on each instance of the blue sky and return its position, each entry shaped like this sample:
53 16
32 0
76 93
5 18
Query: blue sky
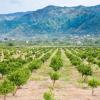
10 6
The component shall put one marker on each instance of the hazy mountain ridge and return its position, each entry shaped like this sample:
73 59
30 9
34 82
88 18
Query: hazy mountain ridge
52 20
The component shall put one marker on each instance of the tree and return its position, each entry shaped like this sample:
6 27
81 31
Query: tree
93 83
35 64
10 44
54 76
2 69
6 87
75 62
19 77
85 70
56 62
45 57
48 95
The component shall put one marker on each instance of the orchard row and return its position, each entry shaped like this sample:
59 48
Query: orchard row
17 65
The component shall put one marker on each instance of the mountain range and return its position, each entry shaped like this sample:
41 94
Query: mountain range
52 20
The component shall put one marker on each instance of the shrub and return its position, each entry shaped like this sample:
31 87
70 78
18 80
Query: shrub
54 76
19 77
48 95
84 70
35 65
94 84
56 62
6 87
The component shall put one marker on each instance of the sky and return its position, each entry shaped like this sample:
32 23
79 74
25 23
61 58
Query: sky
11 6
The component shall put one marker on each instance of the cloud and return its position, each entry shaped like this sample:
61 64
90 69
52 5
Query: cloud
10 6
14 1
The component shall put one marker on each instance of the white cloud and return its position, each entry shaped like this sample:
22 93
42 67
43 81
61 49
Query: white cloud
14 1
9 6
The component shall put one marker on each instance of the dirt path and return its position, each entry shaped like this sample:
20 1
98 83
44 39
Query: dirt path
69 70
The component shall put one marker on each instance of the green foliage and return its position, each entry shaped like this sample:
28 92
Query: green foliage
56 62
93 83
35 64
48 95
19 77
2 69
84 70
74 59
83 55
45 57
98 63
10 65
54 75
10 44
75 62
90 59
6 87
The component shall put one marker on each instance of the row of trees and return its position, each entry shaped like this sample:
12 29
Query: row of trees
56 64
92 55
84 69
36 63
16 78
10 65
13 81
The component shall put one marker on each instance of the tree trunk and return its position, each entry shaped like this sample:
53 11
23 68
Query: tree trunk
92 91
53 83
14 93
1 76
4 97
85 78
82 76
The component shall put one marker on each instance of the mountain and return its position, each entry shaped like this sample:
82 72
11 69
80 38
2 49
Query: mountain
52 20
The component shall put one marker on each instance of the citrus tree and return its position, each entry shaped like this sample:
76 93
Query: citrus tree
85 70
6 87
19 77
35 64
56 62
54 75
93 83
48 95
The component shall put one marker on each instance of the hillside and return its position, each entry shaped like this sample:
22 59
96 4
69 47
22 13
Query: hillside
52 20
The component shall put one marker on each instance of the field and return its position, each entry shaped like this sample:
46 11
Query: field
49 73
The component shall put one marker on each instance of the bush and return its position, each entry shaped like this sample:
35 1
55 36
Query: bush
84 70
6 87
10 44
56 62
35 65
94 84
48 95
19 77
54 76
2 69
